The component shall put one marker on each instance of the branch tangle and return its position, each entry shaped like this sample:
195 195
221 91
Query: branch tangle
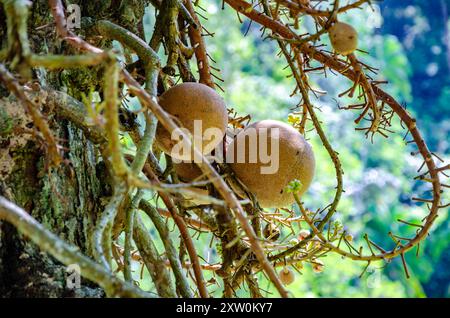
309 51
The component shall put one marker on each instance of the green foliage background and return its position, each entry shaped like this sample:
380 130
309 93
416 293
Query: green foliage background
407 41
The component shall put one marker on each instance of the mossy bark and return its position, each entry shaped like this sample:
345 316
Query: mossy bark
66 199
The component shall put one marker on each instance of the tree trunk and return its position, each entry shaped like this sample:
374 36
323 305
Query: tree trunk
67 199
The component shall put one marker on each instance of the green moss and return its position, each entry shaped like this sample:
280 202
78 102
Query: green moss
23 177
6 123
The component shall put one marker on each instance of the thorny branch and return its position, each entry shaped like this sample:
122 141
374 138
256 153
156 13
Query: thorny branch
354 75
198 43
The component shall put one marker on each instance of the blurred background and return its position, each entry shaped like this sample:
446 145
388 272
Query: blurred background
408 41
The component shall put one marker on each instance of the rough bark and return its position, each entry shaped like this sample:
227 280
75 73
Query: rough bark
67 199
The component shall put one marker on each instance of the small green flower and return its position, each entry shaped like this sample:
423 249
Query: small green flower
293 119
294 186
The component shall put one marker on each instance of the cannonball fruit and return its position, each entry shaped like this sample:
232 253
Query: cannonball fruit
286 276
188 103
266 169
189 172
343 38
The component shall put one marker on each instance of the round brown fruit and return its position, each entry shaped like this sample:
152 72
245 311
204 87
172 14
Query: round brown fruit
286 276
343 38
295 161
189 102
187 171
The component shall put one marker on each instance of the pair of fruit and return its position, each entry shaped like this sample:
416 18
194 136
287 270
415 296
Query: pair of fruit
293 158
287 276
191 102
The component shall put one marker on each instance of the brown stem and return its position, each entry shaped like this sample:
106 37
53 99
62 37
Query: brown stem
187 239
297 8
337 65
197 42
